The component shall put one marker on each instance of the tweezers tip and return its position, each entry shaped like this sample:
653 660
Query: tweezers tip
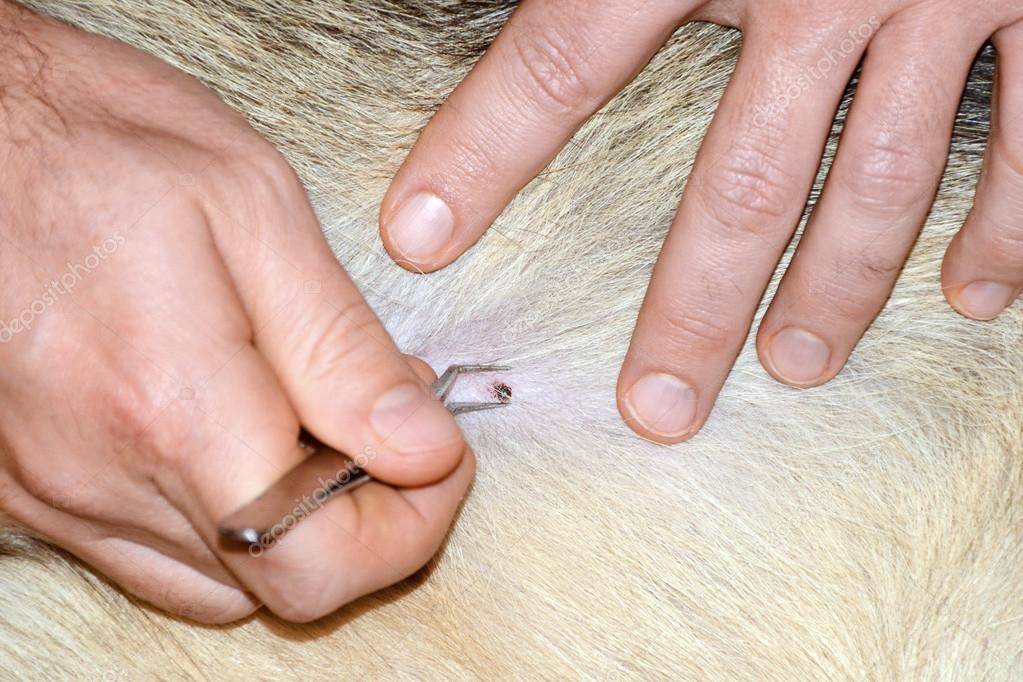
470 369
462 408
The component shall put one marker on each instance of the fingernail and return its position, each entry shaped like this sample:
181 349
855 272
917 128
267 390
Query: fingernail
985 300
421 226
409 420
662 404
799 357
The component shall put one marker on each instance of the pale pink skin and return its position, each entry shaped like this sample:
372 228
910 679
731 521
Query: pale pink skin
171 315
558 61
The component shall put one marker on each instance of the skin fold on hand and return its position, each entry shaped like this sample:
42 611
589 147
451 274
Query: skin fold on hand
170 315
557 62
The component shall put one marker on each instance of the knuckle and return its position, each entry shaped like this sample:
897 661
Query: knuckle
886 178
130 413
1008 244
842 300
343 339
133 417
879 267
474 161
298 596
270 175
1009 157
748 192
174 445
1001 240
55 487
259 178
552 69
149 418
696 334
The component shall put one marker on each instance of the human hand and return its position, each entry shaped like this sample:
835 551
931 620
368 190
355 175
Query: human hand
558 61
171 313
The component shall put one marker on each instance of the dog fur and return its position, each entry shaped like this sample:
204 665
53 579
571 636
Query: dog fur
871 529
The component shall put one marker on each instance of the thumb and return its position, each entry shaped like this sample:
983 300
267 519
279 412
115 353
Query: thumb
340 369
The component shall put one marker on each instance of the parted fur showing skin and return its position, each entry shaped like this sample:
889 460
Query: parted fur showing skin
871 529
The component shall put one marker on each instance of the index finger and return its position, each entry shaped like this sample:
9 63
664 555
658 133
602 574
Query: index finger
554 64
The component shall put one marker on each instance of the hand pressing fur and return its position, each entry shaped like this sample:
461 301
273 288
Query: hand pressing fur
171 313
558 61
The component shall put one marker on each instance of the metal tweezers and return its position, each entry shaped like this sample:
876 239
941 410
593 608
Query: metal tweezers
326 473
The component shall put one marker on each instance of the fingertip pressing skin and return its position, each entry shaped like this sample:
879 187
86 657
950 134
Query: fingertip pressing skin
797 357
418 230
981 301
661 407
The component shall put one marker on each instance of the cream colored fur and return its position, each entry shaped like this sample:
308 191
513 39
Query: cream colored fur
868 530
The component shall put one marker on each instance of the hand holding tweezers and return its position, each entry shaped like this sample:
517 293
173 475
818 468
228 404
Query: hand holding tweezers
326 473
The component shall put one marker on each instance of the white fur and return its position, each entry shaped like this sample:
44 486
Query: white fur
869 529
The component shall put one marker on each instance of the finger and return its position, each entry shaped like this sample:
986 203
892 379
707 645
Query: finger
877 196
235 438
422 370
139 569
340 369
554 64
747 191
163 582
983 269
141 516
384 536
